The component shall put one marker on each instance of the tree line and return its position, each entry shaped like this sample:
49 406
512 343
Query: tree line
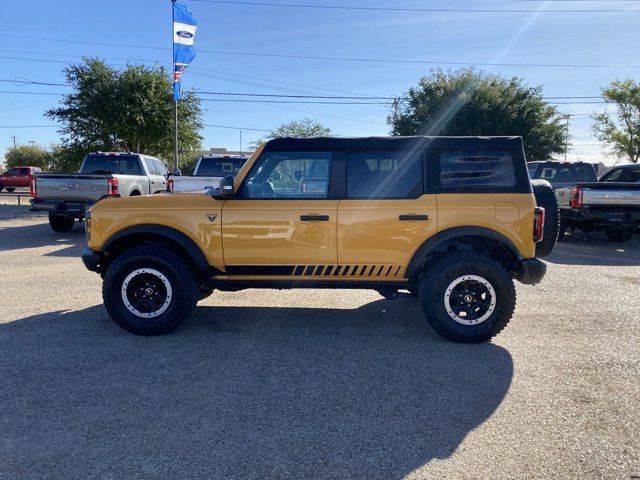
131 110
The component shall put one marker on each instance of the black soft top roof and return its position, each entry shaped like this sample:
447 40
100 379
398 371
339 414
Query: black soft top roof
394 143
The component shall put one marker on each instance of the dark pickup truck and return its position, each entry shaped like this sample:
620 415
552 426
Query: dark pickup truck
611 204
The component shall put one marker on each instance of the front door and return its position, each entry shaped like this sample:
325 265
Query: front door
281 223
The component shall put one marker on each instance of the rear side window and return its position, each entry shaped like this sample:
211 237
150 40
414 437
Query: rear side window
562 173
120 164
387 174
469 168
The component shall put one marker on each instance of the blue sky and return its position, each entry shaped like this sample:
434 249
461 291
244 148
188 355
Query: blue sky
595 38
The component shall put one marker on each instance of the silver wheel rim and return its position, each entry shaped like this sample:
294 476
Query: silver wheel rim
158 282
470 300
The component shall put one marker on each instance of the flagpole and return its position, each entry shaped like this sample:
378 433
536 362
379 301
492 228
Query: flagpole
175 102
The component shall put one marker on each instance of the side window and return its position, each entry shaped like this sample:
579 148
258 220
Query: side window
12 171
532 168
295 175
151 166
468 168
160 168
613 175
389 174
24 171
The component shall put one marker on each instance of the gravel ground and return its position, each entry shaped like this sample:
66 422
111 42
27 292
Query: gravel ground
315 384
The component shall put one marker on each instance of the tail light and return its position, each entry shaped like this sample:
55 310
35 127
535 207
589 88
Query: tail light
169 185
32 187
538 224
112 187
87 224
576 197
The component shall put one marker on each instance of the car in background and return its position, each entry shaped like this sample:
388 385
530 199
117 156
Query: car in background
611 205
66 196
17 177
208 172
562 174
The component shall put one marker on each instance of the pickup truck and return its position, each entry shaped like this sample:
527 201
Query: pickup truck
17 177
66 196
612 204
208 172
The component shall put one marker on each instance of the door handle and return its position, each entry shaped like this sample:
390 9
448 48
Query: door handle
314 218
413 218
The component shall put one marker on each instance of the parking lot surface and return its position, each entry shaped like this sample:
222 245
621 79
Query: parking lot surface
316 384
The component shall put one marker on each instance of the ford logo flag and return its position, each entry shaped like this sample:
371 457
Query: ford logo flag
184 31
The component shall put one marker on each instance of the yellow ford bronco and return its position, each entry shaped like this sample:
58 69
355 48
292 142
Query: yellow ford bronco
452 220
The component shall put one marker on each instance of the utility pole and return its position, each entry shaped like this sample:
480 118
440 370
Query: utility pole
566 139
396 106
14 141
240 141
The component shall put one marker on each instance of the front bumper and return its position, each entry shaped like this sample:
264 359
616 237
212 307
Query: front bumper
92 260
531 271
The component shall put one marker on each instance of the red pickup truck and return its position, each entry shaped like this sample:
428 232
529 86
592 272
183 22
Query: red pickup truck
17 177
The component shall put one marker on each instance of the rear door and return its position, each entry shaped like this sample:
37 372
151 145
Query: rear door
22 179
274 229
386 214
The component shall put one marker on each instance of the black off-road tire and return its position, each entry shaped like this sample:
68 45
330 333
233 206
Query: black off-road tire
61 223
177 270
1 186
546 198
438 278
10 189
618 235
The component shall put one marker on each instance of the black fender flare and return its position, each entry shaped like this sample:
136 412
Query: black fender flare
438 239
193 251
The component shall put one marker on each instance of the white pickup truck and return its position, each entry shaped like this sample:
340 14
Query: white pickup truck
208 172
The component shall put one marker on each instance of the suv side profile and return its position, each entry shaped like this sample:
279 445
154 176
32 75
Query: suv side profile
453 220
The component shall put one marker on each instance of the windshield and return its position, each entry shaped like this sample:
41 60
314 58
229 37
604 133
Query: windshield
219 166
104 163
629 175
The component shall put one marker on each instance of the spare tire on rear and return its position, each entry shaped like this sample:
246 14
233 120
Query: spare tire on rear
546 198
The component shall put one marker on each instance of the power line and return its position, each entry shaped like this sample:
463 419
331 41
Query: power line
338 59
407 9
237 128
28 126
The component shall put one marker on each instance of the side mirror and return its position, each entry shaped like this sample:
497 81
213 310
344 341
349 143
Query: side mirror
297 175
176 172
226 187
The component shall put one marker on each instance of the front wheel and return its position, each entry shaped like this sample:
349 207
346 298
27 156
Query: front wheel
61 223
467 297
150 290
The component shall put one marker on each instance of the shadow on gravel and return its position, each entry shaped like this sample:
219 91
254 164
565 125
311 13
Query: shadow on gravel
40 235
595 249
241 393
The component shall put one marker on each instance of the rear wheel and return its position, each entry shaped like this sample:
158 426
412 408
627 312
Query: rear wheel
467 297
618 235
150 290
61 223
11 189
546 198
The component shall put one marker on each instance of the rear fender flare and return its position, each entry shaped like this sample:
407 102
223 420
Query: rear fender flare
432 244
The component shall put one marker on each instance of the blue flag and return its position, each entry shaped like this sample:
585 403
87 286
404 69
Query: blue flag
184 31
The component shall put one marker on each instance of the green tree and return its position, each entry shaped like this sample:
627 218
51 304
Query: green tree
467 102
29 155
622 135
305 128
130 110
